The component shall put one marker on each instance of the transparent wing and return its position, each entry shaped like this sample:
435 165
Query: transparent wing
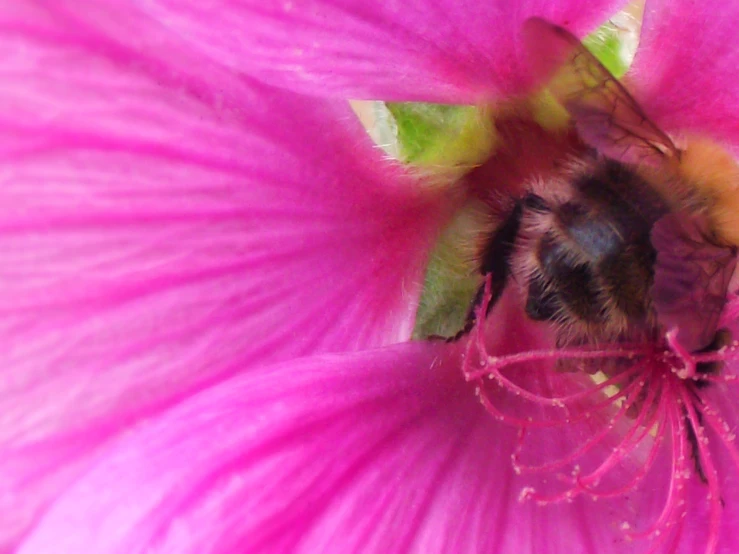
605 114
691 278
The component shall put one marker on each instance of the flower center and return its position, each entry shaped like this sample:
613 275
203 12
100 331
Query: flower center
649 415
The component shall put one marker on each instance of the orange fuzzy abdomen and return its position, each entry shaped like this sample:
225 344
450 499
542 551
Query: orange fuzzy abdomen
714 174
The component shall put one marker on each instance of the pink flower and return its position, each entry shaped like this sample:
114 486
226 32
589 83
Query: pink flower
205 278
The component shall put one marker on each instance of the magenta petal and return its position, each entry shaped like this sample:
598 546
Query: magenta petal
686 67
423 50
382 451
157 239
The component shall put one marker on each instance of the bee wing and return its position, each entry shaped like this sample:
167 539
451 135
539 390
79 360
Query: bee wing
691 278
605 114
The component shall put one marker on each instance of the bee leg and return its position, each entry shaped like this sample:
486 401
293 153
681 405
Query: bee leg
496 259
541 303
469 321
695 451
721 338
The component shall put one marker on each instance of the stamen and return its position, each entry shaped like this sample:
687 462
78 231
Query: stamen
727 353
657 394
585 412
688 360
724 433
676 494
716 378
494 363
559 401
640 429
648 463
583 484
709 469
635 388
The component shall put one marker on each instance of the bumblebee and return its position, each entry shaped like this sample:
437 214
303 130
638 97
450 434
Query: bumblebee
634 237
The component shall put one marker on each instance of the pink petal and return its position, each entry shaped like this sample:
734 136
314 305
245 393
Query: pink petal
382 451
422 50
686 67
161 235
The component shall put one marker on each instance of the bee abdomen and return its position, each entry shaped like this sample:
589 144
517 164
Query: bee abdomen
563 286
627 277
